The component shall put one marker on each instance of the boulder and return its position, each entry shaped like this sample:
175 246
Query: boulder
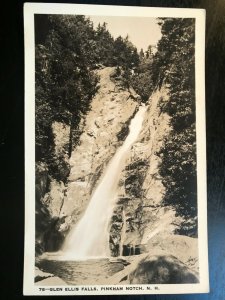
40 275
162 270
44 278
182 247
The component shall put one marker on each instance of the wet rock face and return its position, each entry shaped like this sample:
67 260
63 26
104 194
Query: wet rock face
139 214
141 191
104 128
101 132
129 250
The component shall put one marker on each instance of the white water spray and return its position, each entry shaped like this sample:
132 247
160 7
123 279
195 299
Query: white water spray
90 237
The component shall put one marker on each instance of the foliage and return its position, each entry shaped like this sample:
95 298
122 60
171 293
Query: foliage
68 50
104 45
174 65
125 54
141 80
64 82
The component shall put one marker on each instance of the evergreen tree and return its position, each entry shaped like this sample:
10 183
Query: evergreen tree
104 45
67 53
141 80
141 54
65 83
174 65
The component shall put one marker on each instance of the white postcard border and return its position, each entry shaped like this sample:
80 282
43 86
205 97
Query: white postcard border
29 253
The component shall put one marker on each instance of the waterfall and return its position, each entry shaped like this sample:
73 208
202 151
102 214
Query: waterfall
90 237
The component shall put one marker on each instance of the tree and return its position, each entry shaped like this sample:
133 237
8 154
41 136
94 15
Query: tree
65 83
125 54
173 64
141 54
141 80
67 53
104 45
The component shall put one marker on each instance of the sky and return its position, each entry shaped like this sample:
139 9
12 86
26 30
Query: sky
142 31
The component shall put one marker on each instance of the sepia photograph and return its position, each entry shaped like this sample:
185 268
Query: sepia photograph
115 150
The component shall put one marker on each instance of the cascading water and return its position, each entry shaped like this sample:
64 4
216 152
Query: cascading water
90 237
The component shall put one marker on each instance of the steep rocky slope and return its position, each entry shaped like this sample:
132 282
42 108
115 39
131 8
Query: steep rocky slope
140 214
103 129
110 112
140 222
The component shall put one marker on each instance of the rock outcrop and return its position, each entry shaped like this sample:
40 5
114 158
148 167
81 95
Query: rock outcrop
50 193
139 213
47 279
161 269
40 275
140 222
102 130
169 259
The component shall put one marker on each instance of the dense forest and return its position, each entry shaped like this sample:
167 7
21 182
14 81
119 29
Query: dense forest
68 52
174 65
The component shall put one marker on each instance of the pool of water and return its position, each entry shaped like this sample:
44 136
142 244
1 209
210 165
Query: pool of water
73 272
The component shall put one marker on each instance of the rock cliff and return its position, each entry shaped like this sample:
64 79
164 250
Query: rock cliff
140 222
103 130
140 214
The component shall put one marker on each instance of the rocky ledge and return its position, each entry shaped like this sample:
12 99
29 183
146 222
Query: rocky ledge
44 278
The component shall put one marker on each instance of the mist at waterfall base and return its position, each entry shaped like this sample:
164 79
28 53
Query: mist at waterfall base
90 237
